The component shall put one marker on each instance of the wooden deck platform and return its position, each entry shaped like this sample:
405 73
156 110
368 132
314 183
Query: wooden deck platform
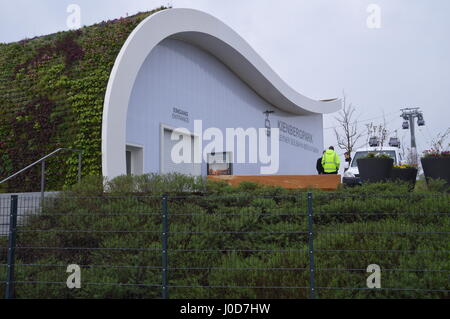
324 182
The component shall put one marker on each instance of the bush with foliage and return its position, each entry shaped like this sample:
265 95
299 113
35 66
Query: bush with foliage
377 155
435 153
406 166
222 236
52 92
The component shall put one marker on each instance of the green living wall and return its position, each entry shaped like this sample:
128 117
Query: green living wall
52 90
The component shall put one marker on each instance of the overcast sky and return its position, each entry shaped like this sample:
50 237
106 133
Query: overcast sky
319 47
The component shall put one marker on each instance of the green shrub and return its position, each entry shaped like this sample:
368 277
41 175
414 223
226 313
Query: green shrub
52 91
397 187
438 186
243 236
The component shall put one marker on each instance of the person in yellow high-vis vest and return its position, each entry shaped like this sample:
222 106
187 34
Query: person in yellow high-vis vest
331 161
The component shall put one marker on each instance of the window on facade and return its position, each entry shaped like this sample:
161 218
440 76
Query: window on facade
220 164
134 160
168 165
128 162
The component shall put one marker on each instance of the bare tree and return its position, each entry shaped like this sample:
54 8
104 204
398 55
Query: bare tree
439 144
347 131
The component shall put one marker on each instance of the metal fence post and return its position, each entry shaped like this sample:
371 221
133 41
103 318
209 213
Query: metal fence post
11 248
42 182
312 292
80 156
165 235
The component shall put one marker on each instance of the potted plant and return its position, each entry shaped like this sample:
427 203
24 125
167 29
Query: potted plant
436 161
375 167
436 165
405 173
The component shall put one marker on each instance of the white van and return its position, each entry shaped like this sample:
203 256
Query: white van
393 152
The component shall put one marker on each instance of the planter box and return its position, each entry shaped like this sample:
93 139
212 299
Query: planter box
375 170
323 182
436 167
408 175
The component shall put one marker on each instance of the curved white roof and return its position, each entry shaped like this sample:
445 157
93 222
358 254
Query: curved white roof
211 35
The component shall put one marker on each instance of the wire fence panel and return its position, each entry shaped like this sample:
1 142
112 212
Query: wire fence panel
406 236
115 241
209 246
244 247
5 203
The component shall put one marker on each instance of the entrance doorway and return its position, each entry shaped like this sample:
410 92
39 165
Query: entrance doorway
167 165
135 159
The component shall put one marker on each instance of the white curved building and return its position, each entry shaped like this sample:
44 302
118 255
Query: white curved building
182 65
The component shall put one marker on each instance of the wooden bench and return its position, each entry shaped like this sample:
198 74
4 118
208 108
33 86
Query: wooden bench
324 182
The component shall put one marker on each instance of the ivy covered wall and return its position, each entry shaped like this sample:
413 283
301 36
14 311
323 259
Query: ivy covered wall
51 95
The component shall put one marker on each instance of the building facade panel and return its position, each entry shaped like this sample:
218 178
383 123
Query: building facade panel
180 83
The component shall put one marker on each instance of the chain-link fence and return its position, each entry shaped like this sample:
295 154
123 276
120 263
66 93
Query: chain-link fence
321 245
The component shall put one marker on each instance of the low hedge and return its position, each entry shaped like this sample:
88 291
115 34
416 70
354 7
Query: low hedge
249 236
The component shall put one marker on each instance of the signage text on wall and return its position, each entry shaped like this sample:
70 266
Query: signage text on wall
295 136
179 114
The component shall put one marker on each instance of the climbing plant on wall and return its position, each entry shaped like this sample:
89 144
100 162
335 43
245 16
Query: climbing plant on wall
52 91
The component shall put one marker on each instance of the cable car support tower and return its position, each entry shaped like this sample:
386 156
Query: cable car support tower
409 114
